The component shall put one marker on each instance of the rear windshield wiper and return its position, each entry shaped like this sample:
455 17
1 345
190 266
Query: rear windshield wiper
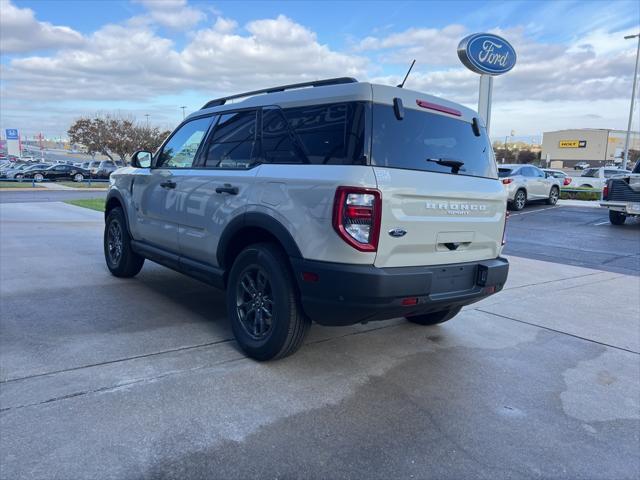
455 165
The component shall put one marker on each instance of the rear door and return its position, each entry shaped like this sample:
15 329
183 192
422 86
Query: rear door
215 192
431 215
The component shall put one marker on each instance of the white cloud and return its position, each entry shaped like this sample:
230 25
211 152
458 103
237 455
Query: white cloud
118 63
21 32
173 14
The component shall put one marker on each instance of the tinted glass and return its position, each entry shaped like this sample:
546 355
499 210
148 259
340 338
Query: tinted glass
330 134
279 144
408 143
233 141
180 151
636 169
504 172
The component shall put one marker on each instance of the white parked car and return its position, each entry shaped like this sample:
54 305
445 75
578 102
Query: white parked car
596 177
524 183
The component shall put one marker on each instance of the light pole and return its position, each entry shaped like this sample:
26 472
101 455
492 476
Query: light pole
183 107
633 96
147 115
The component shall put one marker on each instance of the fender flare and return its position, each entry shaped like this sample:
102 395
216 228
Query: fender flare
259 220
118 196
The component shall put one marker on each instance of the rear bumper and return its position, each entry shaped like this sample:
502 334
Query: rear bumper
345 294
629 208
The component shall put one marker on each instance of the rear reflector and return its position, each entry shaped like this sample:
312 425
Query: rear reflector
409 301
310 277
438 108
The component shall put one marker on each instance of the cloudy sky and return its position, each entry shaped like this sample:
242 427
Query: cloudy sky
63 59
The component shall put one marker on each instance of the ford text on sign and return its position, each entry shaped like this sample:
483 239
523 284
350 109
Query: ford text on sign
485 53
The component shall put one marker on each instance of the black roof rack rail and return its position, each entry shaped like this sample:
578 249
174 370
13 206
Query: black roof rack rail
318 83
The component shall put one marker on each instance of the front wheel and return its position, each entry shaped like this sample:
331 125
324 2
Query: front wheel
265 313
121 260
554 194
435 318
617 218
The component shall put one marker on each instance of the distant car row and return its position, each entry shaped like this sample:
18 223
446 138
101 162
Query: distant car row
40 171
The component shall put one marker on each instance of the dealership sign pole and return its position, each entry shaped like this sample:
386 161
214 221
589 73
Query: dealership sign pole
489 55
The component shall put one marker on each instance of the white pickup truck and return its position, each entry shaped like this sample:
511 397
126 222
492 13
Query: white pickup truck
596 177
621 195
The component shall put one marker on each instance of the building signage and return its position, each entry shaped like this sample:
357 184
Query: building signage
12 134
573 144
486 53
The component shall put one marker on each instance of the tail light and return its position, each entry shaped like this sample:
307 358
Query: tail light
504 229
605 192
567 181
356 217
507 181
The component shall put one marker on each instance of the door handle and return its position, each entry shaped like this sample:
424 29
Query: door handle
168 184
227 188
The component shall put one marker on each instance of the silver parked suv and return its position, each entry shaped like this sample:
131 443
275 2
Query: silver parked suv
334 201
525 183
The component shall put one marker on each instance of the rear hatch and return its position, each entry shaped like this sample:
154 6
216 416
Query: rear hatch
435 211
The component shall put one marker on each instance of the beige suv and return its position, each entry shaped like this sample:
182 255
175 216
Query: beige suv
336 201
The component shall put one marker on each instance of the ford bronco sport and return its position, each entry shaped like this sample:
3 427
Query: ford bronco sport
334 201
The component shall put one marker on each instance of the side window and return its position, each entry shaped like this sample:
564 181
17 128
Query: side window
330 134
278 141
538 172
180 151
232 144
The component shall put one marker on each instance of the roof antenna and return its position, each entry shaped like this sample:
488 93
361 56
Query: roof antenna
405 77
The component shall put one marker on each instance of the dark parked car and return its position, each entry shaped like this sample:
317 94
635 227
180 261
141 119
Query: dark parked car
58 172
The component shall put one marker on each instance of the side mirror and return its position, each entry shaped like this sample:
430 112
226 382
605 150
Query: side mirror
141 159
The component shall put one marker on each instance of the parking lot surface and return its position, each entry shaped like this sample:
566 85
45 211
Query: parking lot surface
108 378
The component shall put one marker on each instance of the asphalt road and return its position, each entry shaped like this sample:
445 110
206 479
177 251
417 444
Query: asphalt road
579 236
140 379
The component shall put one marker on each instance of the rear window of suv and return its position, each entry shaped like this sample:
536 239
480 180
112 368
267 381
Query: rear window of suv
419 136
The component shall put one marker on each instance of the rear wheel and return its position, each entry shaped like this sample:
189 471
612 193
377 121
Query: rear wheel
554 194
435 318
617 218
264 310
78 177
121 260
519 200
38 177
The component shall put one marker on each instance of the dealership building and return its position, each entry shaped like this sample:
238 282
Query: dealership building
598 147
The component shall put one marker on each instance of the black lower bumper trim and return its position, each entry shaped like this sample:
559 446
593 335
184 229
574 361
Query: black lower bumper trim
342 294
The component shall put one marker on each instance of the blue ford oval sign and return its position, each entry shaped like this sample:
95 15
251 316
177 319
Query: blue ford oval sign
487 53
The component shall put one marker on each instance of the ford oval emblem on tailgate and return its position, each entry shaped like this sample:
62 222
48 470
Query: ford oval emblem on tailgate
397 232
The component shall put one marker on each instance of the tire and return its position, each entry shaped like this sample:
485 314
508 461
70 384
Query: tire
121 260
519 200
617 218
78 177
38 177
554 194
260 272
434 318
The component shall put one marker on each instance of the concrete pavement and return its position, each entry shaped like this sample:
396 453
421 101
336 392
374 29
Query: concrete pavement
109 378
